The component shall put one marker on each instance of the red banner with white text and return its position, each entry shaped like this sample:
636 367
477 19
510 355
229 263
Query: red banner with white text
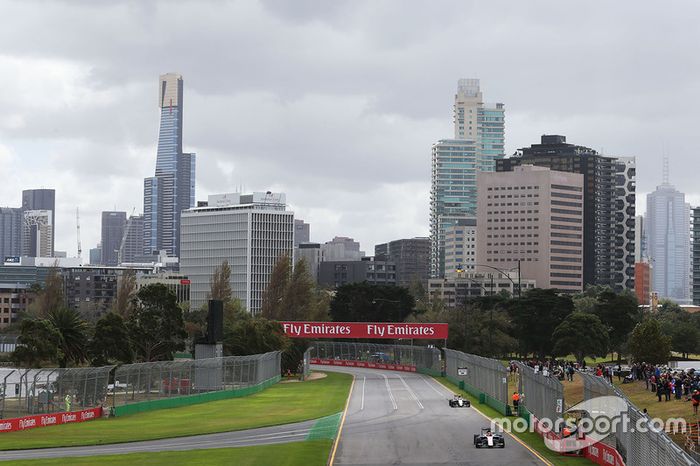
364 364
44 420
378 330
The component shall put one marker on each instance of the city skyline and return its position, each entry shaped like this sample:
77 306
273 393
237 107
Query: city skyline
88 130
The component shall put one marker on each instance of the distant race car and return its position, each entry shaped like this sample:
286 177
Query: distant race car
459 402
489 439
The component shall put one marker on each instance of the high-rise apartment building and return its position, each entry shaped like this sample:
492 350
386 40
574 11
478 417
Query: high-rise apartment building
112 232
302 232
37 233
96 255
341 248
696 255
609 205
460 247
411 258
668 242
131 244
10 232
39 199
532 218
172 188
250 231
478 143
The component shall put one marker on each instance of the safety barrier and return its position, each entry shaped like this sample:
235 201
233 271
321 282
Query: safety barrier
45 420
8 343
364 364
484 378
542 396
422 358
26 392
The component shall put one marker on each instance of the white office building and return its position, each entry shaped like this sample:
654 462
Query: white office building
250 231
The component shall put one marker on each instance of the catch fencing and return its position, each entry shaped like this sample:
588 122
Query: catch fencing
148 384
306 369
541 396
8 343
643 442
484 378
26 392
424 359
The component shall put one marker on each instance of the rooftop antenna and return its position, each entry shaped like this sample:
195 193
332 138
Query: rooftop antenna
665 170
77 222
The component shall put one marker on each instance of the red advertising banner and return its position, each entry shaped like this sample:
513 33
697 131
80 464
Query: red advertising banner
43 420
365 364
379 330
603 454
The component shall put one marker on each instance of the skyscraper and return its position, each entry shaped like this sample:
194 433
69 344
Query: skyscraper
302 232
696 255
608 205
131 245
478 143
411 257
112 233
668 242
39 199
37 233
10 232
171 190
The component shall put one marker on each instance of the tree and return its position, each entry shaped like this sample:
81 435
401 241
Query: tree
685 340
254 335
535 315
272 300
123 305
648 343
363 302
302 301
39 342
50 297
72 335
221 283
156 326
110 343
581 334
619 313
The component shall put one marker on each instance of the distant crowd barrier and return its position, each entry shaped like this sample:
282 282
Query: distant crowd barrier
484 378
166 384
369 355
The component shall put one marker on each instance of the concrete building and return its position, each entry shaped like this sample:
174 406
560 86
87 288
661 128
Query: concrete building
454 291
10 232
341 248
96 255
338 273
311 253
172 188
608 205
477 144
532 217
667 230
411 257
93 290
642 282
177 283
302 232
37 233
696 255
40 199
131 243
460 247
14 299
112 232
250 231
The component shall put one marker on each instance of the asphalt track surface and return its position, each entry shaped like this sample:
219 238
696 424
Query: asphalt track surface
392 418
404 418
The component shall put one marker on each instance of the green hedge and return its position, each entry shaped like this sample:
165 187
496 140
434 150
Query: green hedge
187 400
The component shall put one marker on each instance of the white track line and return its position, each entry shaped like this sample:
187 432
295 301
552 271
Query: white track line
432 387
411 392
391 395
364 380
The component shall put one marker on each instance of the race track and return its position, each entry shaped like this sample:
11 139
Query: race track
404 418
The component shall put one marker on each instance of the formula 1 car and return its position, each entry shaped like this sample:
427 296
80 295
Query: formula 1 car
459 402
489 439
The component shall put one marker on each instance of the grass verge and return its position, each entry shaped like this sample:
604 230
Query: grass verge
311 453
279 404
531 439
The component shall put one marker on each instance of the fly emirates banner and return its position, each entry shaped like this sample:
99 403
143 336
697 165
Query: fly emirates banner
378 330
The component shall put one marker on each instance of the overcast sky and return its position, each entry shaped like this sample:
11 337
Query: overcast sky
334 102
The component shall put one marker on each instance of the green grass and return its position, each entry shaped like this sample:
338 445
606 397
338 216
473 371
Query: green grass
313 452
279 404
531 439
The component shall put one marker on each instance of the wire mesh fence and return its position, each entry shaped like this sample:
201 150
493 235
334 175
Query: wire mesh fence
424 358
640 441
8 343
149 381
26 392
479 375
306 362
541 395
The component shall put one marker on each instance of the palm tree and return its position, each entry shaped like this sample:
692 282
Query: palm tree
73 333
